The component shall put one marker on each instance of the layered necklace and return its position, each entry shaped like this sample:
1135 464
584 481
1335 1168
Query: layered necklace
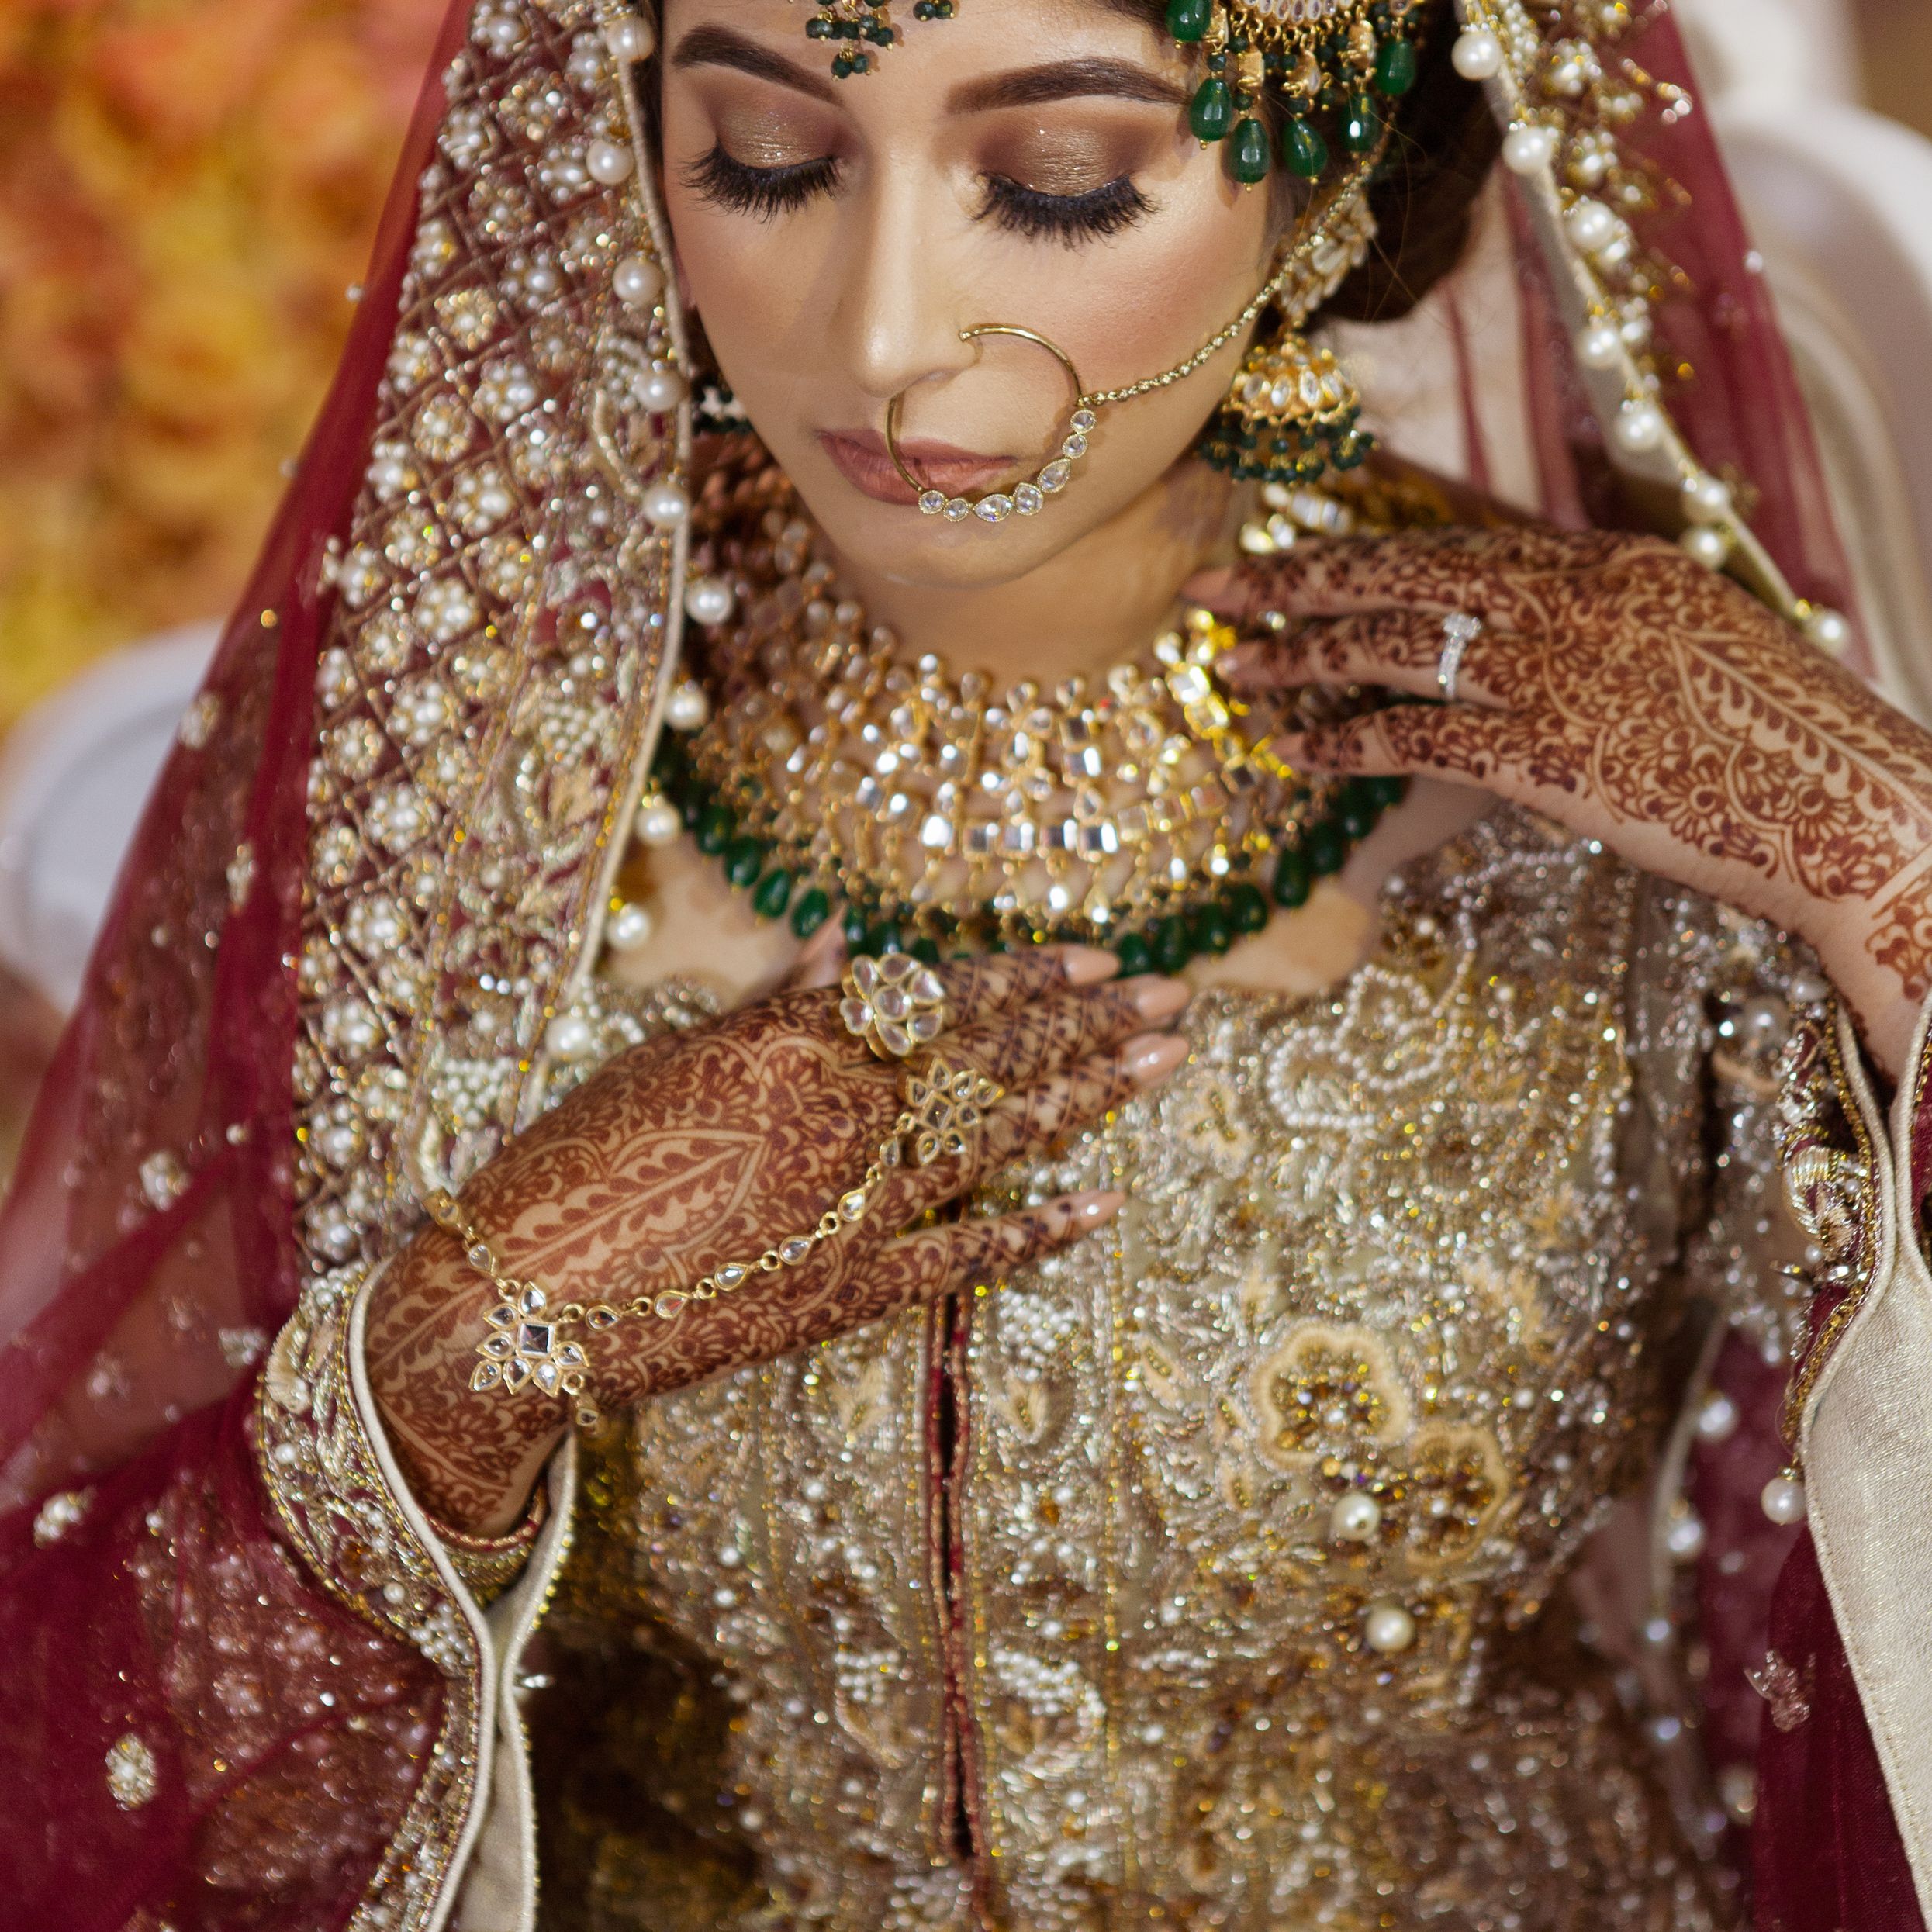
1145 811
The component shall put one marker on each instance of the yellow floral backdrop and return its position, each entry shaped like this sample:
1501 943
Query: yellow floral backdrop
186 189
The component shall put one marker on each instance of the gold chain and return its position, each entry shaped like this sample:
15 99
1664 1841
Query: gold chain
529 1345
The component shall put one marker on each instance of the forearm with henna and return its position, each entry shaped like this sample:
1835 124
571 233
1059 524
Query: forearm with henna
682 1155
1640 695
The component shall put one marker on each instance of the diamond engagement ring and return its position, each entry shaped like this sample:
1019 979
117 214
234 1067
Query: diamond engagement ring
1460 631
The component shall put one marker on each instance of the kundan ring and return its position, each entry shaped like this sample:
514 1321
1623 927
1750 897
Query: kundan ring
1460 631
944 1106
893 1004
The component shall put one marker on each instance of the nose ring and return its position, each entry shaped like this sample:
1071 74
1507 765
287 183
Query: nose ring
1023 500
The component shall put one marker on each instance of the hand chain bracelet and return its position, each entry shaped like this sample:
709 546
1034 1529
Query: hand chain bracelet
525 1346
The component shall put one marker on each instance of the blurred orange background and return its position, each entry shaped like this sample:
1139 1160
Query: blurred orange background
187 187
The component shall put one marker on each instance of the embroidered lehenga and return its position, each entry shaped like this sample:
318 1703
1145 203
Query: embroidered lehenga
1255 1563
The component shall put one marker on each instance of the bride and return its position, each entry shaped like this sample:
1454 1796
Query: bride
903 1115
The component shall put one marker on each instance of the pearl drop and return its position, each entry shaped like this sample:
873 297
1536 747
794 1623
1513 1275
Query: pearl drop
689 708
1600 347
629 927
1476 54
1707 499
1355 1518
709 600
568 1037
658 822
1615 252
1707 545
665 505
1591 225
1765 1021
1685 1538
1783 1500
630 39
637 281
1388 1628
1717 1420
1639 425
661 390
1829 630
1528 150
1807 989
609 162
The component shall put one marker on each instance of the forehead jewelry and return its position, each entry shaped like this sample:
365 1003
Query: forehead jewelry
1335 66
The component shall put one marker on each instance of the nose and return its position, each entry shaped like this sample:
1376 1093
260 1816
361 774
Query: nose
900 308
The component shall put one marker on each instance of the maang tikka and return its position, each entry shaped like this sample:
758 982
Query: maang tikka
1334 63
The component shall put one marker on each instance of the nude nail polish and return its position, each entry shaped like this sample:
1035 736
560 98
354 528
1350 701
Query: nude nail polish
1085 965
1147 1060
1089 1210
1159 999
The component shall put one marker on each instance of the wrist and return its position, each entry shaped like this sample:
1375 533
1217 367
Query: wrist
469 1461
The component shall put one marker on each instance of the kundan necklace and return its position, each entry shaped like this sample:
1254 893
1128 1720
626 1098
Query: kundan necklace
1145 811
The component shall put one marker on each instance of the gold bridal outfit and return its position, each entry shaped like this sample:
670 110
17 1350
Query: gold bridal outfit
1240 1567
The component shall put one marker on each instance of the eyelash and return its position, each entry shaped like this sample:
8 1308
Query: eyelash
1068 218
764 192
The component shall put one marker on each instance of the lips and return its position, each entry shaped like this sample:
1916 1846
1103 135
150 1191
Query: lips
860 457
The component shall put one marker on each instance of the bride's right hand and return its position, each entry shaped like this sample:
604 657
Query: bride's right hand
715 1145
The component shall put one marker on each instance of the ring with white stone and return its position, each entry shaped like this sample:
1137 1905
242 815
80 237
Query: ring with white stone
1460 631
893 1004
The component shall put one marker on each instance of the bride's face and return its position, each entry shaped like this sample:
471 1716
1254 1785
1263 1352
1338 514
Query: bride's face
1026 162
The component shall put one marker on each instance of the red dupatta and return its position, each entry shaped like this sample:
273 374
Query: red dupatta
170 1201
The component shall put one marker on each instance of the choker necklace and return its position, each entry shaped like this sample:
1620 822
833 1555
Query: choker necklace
1145 811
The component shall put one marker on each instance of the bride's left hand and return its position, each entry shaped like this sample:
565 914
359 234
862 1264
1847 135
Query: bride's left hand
1640 698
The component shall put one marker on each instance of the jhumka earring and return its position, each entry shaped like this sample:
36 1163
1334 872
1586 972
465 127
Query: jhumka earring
1290 415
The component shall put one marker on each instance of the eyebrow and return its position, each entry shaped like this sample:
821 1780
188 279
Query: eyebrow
712 45
719 46
1064 80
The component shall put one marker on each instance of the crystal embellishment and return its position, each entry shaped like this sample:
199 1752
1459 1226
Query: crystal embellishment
522 1349
946 1104
893 1004
133 1776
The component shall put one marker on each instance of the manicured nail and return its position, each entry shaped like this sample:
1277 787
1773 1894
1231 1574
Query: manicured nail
1084 965
1089 1209
1153 1057
1156 998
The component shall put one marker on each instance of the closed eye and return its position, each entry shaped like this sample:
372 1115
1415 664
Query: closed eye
761 192
1068 218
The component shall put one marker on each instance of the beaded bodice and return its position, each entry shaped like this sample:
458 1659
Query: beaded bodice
1212 1571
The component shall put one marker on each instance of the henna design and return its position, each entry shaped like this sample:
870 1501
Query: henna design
698 1147
1643 699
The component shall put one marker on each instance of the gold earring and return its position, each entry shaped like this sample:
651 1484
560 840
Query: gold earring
1024 499
1290 414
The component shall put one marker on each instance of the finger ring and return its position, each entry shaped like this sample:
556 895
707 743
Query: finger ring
893 1004
1460 631
943 1105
